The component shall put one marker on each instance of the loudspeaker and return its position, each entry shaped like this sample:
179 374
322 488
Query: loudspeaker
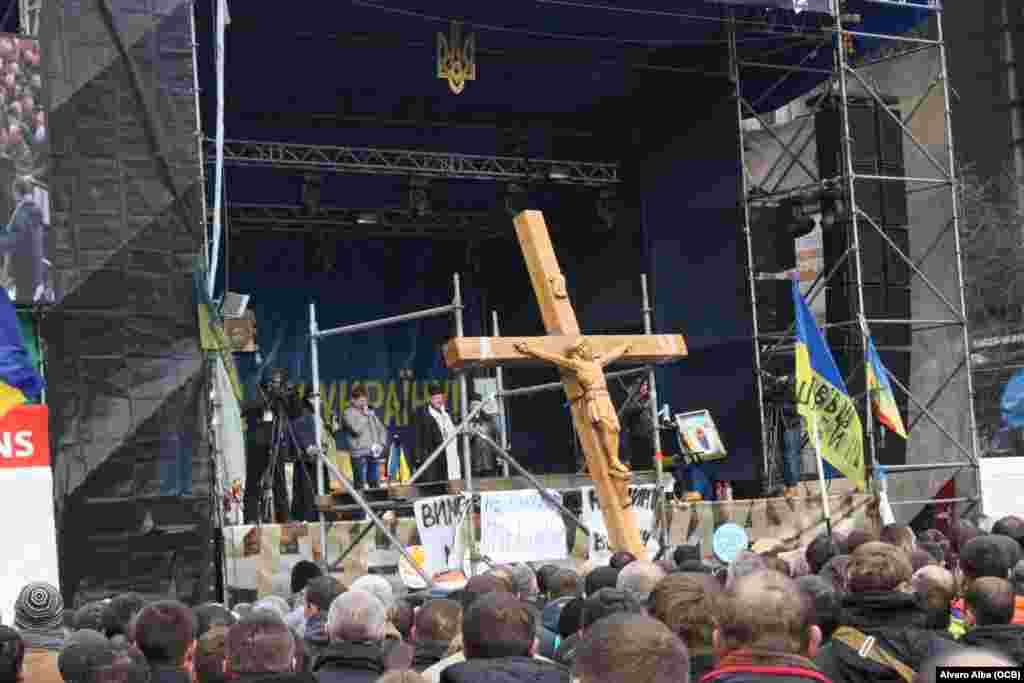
877 150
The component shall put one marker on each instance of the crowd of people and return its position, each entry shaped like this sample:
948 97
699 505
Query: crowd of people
853 607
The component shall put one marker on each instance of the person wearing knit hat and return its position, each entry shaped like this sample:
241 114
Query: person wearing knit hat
39 617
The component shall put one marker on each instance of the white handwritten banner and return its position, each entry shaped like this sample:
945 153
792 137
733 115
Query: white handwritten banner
643 499
520 526
436 520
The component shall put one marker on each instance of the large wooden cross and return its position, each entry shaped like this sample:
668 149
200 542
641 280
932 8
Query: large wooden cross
579 360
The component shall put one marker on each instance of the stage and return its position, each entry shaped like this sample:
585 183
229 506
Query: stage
260 558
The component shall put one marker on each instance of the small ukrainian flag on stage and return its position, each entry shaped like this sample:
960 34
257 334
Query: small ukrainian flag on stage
882 398
823 400
19 381
398 466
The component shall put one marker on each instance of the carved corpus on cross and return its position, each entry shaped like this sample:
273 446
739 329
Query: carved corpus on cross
580 361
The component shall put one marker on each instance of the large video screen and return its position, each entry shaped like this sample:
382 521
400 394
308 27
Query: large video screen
25 265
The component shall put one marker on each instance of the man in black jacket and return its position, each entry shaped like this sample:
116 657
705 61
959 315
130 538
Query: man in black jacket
883 632
277 402
499 639
261 649
319 594
165 632
358 651
988 612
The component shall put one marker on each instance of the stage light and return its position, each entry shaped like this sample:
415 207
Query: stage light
367 219
558 173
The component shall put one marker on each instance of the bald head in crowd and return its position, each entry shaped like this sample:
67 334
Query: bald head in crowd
766 611
936 588
639 579
356 616
259 644
627 648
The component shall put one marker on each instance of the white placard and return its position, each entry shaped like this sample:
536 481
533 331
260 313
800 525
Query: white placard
643 498
1002 486
520 526
29 551
436 520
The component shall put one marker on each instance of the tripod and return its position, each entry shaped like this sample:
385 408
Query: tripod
282 437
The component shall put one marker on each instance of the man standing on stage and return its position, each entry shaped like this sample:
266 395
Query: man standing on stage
259 414
278 414
433 425
638 426
367 438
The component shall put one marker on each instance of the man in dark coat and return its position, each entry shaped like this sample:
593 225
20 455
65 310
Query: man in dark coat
23 239
358 650
498 636
433 423
165 632
638 427
261 649
881 619
319 594
988 611
765 630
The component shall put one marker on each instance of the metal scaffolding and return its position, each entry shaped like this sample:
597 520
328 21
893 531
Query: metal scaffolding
365 223
376 161
792 177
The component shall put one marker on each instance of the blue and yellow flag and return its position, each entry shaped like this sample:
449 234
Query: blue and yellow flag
398 466
822 398
882 398
19 381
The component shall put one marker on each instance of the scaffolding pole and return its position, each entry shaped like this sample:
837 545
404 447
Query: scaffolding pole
499 375
843 77
744 189
661 518
315 335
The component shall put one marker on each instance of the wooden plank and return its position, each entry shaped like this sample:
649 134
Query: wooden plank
545 274
490 351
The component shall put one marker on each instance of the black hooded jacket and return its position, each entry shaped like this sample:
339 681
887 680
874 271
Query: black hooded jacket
505 670
1007 639
428 653
346 662
898 623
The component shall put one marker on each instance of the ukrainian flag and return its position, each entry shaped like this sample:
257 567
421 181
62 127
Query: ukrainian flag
882 398
398 466
19 381
823 400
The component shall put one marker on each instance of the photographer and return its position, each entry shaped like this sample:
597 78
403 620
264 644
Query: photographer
368 439
273 414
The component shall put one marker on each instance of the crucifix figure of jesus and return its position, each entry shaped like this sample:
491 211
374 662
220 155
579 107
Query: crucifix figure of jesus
587 369
581 361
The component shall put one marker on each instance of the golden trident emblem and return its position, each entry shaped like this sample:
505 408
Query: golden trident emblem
456 58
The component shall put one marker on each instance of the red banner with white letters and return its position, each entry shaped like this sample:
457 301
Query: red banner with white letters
25 437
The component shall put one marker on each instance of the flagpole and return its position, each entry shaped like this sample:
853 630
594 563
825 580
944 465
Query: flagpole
821 476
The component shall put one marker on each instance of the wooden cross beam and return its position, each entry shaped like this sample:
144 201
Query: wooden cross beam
580 361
